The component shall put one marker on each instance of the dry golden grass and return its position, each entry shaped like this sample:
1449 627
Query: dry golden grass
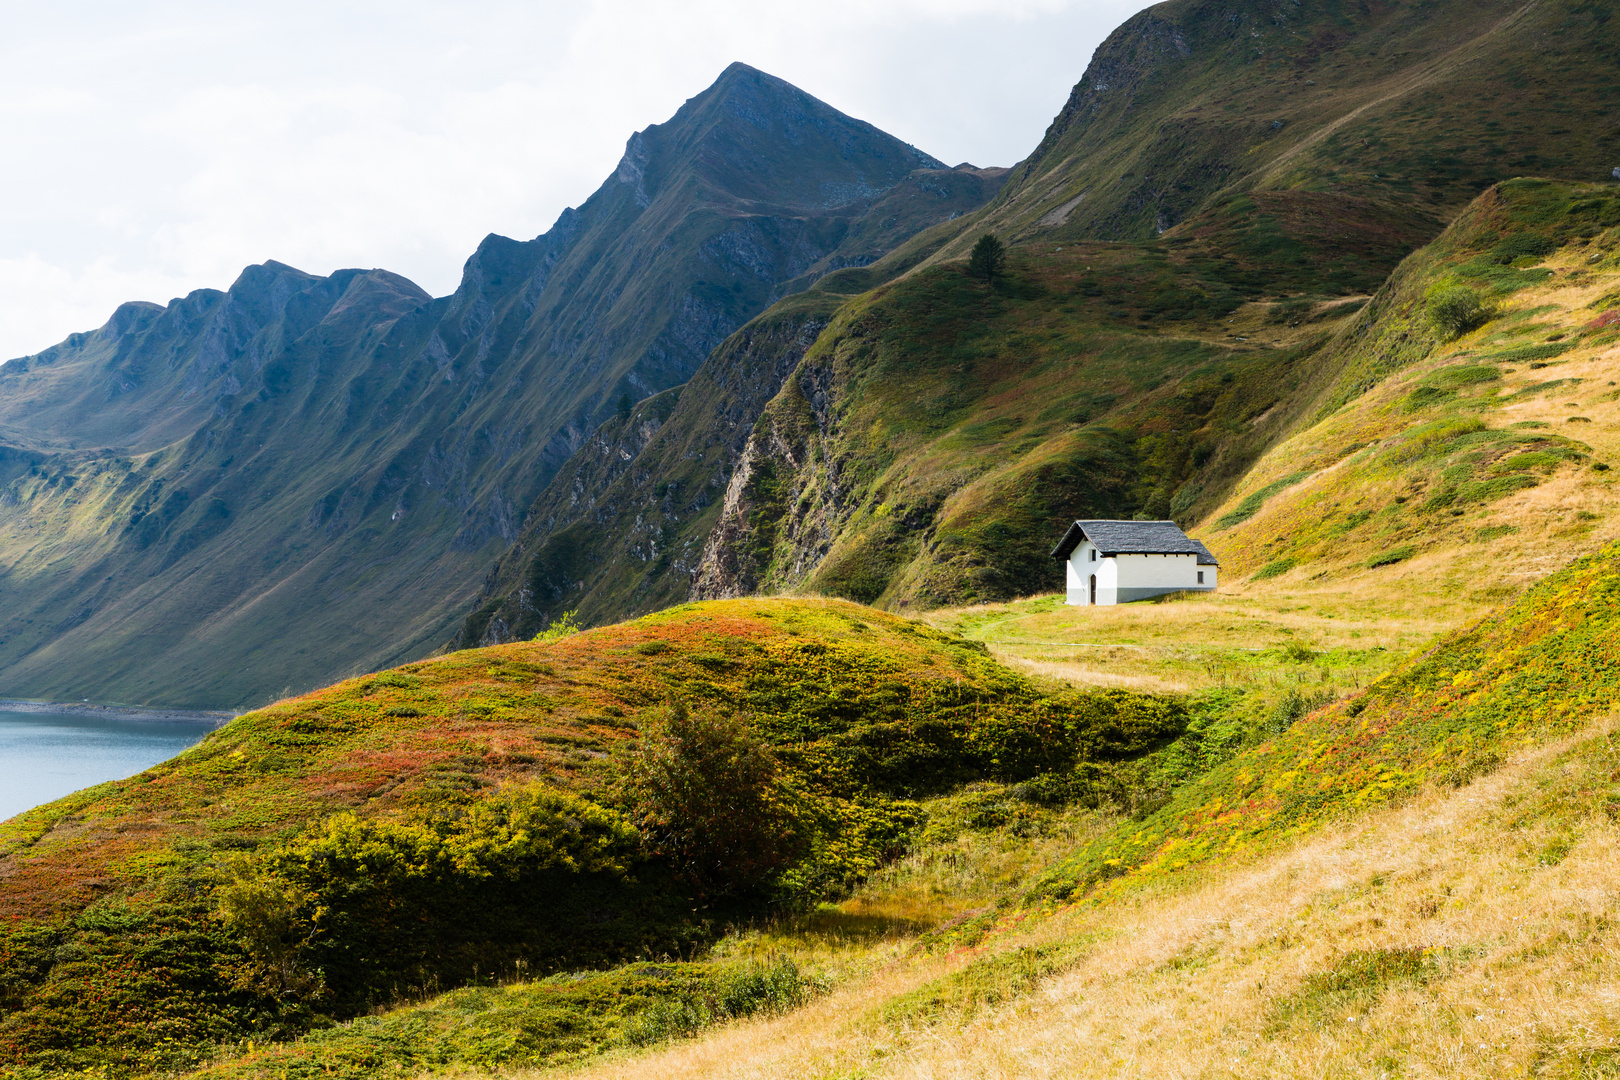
1568 514
1233 637
1508 883
1077 671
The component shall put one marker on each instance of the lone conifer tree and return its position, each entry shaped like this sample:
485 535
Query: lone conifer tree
989 254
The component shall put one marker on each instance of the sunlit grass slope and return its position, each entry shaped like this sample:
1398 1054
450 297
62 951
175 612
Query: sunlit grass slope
1467 466
1468 932
1538 669
1414 879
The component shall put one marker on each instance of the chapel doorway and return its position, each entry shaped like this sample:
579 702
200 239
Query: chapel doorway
1093 588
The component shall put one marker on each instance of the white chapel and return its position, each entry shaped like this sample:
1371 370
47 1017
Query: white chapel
1116 562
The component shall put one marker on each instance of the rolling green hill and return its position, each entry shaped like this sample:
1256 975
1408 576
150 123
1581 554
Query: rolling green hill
247 493
396 833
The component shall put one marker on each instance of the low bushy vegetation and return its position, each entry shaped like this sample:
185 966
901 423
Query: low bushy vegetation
1454 310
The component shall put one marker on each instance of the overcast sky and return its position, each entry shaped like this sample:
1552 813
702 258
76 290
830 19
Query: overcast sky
154 148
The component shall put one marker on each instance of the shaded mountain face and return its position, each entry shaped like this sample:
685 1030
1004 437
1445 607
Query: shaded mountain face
258 490
1214 159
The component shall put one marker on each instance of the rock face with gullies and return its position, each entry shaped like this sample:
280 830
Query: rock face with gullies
624 525
247 492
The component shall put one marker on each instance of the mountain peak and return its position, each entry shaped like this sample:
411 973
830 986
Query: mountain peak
755 136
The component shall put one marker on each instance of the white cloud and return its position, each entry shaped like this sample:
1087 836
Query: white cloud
156 147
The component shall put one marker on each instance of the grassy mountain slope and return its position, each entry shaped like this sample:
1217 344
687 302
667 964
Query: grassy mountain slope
1355 114
939 433
396 833
1435 456
337 460
1467 932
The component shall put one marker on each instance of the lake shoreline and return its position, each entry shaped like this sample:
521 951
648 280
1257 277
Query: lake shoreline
119 712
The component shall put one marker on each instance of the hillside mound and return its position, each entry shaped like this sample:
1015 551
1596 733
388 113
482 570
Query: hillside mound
1356 884
1545 666
399 831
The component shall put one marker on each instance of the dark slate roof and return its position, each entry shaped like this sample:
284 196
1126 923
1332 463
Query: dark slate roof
1133 538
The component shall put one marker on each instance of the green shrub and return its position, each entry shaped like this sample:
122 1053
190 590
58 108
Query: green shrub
1299 652
1392 556
708 799
1523 246
357 910
1528 353
1423 396
564 625
731 993
1294 705
1275 568
1454 310
1461 375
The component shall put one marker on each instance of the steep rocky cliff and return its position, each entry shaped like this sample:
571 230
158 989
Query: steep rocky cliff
623 526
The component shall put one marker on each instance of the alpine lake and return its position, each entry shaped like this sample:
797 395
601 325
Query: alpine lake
45 754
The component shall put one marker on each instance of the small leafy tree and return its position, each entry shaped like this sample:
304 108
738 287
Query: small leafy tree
988 258
707 798
625 405
1454 310
564 625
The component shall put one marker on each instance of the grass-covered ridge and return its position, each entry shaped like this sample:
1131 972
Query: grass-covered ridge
1540 668
394 834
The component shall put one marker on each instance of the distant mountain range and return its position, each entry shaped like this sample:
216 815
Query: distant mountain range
257 490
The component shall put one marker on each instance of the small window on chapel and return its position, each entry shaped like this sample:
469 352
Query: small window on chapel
1093 554
1200 577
